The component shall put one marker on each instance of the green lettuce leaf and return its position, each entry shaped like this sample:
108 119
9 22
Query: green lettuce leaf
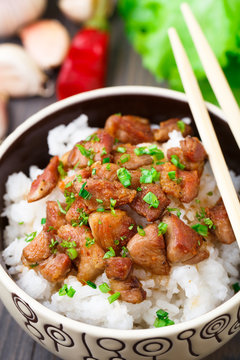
147 22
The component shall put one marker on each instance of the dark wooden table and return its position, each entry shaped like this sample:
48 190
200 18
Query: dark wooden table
124 68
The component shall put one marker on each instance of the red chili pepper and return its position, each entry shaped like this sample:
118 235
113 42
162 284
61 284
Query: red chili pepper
85 66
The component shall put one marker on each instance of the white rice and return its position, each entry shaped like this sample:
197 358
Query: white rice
189 290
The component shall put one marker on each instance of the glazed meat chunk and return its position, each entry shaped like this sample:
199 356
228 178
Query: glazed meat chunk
54 217
168 126
149 251
105 171
129 129
46 182
191 154
129 159
91 263
96 148
38 249
131 289
183 243
223 229
142 207
112 229
100 192
189 184
118 268
56 267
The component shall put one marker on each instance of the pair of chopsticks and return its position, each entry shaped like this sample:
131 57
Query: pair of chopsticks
200 114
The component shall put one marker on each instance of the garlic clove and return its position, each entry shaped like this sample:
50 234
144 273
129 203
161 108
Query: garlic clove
47 42
19 74
14 14
78 10
3 116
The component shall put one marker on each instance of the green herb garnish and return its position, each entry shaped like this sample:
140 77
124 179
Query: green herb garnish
175 209
104 288
172 176
69 198
106 160
109 253
200 229
104 151
114 297
131 227
60 208
162 228
21 223
94 171
108 167
99 201
140 230
124 177
151 199
124 251
175 161
210 193
149 150
149 176
124 158
30 237
121 149
52 245
72 253
66 291
181 125
43 221
84 193
162 319
61 170
89 242
91 284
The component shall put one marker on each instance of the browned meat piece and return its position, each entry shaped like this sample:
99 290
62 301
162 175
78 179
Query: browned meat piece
75 212
135 178
149 251
143 208
38 249
98 148
223 231
104 190
133 161
54 218
191 154
202 254
169 186
183 242
45 182
56 267
118 268
105 171
189 184
166 127
131 290
68 181
91 262
129 129
112 230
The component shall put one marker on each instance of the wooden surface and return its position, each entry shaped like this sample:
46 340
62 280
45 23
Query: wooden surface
124 68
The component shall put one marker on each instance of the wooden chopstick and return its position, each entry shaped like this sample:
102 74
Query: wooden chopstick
207 133
214 73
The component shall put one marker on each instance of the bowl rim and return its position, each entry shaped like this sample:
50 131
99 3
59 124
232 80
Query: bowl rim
78 326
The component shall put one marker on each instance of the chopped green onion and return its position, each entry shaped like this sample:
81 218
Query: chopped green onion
87 153
149 176
209 223
116 242
94 171
33 265
100 209
124 177
162 319
99 201
89 242
90 162
104 151
181 125
75 166
116 141
91 284
197 201
175 209
65 291
99 222
121 149
175 161
69 198
108 167
201 215
140 230
236 287
150 150
109 253
124 251
162 228
43 221
210 193
60 208
84 193
78 178
104 288
113 202
125 158
106 160
131 227
83 217
114 297
172 176
61 170
52 246
21 223
151 199
139 189
50 228
30 237
68 184
122 238
72 253
93 138
200 229
68 244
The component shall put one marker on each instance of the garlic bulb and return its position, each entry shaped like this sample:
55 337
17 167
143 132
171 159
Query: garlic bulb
77 10
16 13
19 75
47 42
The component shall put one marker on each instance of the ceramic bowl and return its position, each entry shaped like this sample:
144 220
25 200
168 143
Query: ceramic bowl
74 340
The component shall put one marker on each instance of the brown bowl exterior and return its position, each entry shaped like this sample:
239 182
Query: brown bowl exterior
73 340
